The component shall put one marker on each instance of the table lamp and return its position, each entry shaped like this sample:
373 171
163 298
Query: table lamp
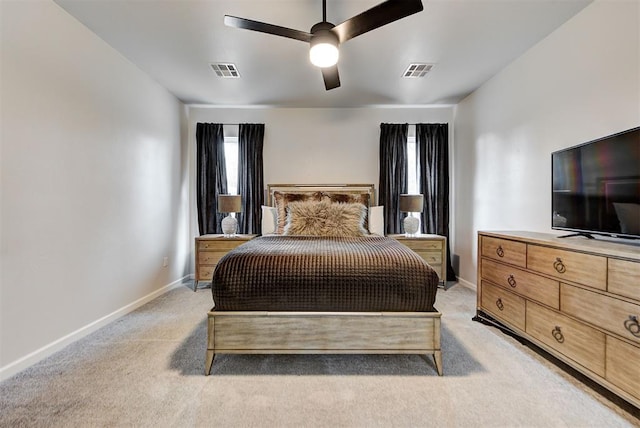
229 204
411 204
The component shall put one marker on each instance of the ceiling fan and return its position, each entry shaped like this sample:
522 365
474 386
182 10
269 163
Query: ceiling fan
325 37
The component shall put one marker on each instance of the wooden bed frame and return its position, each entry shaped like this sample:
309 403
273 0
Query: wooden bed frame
262 332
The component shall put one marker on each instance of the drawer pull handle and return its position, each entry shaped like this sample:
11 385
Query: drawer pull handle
499 304
500 251
512 281
557 334
559 266
632 325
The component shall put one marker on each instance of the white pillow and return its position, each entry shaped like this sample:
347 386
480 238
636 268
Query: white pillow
269 220
376 220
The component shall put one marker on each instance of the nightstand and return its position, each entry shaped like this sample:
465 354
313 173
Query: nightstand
432 248
210 249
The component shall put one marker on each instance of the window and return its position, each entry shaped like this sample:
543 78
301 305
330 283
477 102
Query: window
413 172
231 133
231 164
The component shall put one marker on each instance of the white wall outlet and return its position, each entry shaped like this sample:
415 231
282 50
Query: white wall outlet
165 262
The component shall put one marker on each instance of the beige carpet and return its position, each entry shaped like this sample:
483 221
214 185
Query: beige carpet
146 369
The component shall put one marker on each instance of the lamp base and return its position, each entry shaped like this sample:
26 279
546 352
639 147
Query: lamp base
229 226
411 225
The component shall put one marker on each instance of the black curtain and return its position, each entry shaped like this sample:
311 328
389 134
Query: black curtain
250 176
432 143
393 172
211 176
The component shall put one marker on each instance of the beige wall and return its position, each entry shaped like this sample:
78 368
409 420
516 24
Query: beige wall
93 191
580 83
318 145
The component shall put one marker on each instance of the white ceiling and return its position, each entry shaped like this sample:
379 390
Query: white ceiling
175 40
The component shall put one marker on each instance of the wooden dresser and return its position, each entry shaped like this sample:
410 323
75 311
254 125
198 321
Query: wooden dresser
211 248
576 298
432 248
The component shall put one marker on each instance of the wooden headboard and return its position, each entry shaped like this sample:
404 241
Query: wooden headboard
326 188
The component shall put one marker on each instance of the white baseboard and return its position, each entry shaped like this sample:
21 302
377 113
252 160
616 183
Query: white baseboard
467 284
47 350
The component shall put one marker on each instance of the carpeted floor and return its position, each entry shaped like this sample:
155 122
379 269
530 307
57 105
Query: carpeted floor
146 369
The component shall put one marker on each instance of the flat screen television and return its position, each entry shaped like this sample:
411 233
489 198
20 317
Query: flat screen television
596 186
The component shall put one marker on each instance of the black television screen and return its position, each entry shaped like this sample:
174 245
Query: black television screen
596 186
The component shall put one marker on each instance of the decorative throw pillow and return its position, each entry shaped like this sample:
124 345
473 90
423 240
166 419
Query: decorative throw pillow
350 198
282 200
323 218
269 217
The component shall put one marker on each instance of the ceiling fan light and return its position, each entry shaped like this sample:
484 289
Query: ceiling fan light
324 55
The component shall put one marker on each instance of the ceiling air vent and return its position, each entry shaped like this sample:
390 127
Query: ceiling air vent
225 70
417 70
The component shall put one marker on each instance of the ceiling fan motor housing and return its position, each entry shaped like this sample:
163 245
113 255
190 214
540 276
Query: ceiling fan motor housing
321 33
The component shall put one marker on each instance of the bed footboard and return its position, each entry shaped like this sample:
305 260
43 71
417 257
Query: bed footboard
255 332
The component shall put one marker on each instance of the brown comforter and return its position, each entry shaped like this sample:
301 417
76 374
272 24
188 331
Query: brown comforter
303 273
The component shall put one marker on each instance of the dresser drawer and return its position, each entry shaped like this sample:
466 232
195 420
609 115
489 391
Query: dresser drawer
622 366
205 273
603 311
582 268
624 278
511 252
530 285
423 244
221 244
210 257
577 341
504 305
430 257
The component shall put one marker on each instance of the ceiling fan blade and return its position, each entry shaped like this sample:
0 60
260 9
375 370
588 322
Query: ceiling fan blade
382 14
331 77
276 30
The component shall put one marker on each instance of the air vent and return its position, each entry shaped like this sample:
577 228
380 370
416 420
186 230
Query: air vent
226 70
417 70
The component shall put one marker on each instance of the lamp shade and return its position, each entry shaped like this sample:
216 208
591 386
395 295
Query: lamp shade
411 203
229 204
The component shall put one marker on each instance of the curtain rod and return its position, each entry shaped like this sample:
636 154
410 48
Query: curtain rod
391 123
243 123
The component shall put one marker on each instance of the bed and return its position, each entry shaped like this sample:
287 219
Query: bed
296 291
